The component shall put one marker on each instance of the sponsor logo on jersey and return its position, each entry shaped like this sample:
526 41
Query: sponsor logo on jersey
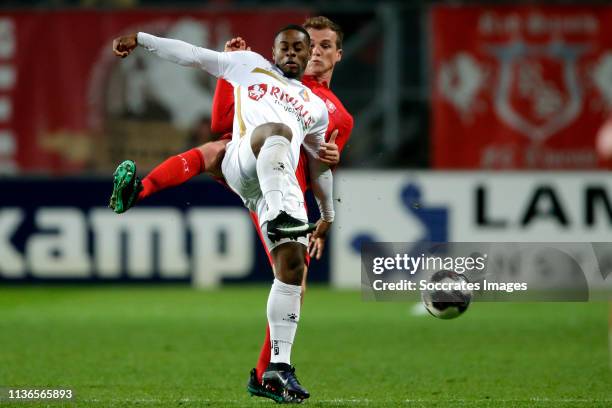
257 91
293 105
331 108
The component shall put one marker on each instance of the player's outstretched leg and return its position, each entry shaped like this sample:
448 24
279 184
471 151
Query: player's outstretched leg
173 171
126 186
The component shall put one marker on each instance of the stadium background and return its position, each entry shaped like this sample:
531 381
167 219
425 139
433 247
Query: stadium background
472 123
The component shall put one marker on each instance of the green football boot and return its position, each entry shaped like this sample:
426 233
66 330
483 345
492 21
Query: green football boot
286 226
126 186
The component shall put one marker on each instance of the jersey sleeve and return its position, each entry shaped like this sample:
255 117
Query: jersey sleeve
237 65
233 66
321 178
316 136
322 184
222 117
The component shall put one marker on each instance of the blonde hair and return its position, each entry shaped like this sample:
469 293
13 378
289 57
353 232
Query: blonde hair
321 23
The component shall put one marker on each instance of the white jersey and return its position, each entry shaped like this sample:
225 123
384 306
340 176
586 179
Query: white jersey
263 95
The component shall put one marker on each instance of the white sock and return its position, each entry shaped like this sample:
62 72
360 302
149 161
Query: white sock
283 316
272 171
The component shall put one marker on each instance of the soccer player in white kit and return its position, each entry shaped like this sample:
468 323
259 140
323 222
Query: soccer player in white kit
274 115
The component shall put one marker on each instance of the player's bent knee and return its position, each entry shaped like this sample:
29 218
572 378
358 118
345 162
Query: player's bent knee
289 263
262 132
290 272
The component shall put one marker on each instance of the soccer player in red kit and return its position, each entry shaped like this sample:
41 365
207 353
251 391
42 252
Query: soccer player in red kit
326 44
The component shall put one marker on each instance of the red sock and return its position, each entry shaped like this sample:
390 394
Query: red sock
264 356
172 172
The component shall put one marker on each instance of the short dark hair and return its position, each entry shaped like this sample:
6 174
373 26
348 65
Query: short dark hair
294 27
321 23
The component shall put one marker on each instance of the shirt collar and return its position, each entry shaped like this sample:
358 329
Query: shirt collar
279 71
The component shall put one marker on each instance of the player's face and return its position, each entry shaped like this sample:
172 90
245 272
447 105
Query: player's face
325 54
291 52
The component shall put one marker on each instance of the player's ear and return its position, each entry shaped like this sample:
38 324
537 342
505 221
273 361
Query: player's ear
339 55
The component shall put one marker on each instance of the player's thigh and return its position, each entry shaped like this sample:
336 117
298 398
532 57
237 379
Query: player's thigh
240 170
262 132
246 158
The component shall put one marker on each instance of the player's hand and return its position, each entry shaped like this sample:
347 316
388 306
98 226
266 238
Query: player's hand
321 230
317 239
236 44
123 46
316 246
329 152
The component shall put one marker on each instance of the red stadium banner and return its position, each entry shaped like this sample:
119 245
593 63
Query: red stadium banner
68 105
520 87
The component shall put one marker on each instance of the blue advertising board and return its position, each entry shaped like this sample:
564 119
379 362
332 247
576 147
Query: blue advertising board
61 230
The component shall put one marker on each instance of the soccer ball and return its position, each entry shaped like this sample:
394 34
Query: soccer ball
444 298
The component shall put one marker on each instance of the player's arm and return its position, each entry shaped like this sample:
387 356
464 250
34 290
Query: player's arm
321 179
222 115
225 64
322 187
322 184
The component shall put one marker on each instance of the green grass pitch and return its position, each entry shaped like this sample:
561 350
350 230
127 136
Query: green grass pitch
179 347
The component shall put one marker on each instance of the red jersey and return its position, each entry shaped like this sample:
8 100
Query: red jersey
339 118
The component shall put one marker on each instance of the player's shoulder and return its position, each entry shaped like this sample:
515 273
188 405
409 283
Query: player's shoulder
333 98
250 57
316 99
333 104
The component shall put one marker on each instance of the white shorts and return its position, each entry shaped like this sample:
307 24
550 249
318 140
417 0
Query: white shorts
240 172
